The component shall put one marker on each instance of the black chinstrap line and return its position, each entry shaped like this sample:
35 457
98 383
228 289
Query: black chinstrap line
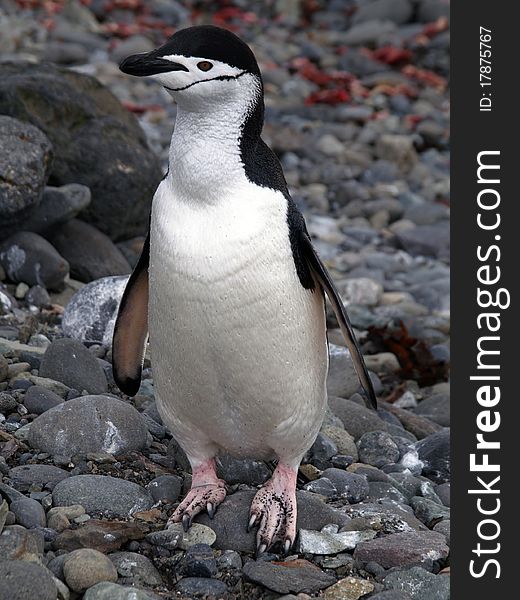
218 78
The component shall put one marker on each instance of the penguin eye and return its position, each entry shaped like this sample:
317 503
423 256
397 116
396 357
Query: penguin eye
205 65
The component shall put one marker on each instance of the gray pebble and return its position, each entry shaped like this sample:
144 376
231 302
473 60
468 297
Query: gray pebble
102 494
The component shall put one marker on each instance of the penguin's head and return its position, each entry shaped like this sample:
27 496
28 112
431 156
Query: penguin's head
199 66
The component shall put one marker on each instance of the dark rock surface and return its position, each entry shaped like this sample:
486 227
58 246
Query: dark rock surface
100 494
96 141
26 257
25 162
90 253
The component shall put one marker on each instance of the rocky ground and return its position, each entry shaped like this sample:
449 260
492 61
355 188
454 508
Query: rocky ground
357 111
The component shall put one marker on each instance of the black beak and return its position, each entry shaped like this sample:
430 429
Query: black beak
142 65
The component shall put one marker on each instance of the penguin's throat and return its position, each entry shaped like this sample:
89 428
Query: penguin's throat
206 158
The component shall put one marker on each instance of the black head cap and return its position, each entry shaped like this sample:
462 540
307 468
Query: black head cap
208 41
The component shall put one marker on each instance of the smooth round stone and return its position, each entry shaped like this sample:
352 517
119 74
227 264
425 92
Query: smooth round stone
7 403
70 362
137 567
16 542
90 253
23 580
102 494
45 476
344 441
199 561
201 587
112 591
28 512
377 448
356 418
38 400
196 534
351 486
91 313
247 471
89 424
28 257
85 567
165 487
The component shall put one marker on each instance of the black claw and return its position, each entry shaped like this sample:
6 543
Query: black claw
260 549
287 546
251 523
211 510
186 522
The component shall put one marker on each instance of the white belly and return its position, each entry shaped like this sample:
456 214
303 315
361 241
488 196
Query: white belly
238 346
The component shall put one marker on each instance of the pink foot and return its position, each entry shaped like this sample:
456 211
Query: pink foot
206 493
274 509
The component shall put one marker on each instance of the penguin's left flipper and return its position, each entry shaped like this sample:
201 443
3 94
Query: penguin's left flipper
131 328
322 276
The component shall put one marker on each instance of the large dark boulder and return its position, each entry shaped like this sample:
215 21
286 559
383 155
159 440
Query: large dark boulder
97 142
25 161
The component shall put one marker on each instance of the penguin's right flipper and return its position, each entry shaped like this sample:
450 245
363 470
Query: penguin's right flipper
131 328
322 275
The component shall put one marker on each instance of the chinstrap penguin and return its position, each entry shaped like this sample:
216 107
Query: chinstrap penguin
228 287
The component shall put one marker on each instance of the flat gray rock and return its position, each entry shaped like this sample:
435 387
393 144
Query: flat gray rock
23 476
285 580
356 418
401 549
89 424
102 494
